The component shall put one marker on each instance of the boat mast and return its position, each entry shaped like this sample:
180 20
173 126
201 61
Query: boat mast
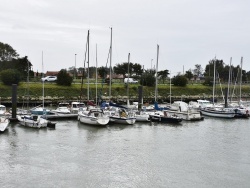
110 66
241 62
156 70
84 67
88 67
96 77
170 89
214 78
43 81
128 79
28 81
229 79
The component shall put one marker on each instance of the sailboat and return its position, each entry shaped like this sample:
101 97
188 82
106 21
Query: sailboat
159 116
240 110
94 116
36 121
121 115
4 120
217 111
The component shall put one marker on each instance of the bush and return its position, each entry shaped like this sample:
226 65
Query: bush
147 79
63 78
179 80
10 76
208 81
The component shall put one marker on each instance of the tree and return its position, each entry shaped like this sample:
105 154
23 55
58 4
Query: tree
163 75
197 71
248 76
148 78
189 74
133 69
63 78
223 71
24 66
179 80
137 69
122 68
103 71
10 76
208 81
92 71
7 53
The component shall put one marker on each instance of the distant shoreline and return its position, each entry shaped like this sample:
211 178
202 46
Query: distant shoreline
54 93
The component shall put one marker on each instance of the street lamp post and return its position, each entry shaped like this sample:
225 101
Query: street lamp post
75 72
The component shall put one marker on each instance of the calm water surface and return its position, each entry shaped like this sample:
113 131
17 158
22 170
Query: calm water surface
210 153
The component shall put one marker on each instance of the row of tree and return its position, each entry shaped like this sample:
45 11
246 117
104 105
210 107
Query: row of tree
21 67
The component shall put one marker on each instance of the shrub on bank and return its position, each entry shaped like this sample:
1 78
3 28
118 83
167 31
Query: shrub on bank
10 76
180 80
63 78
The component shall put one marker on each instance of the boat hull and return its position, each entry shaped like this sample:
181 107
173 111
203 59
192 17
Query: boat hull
187 116
29 121
142 118
218 114
4 122
156 118
93 120
123 120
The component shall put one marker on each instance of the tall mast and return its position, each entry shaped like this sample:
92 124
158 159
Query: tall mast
229 79
156 70
96 77
128 79
88 67
28 81
241 62
110 66
43 81
214 78
84 70
170 92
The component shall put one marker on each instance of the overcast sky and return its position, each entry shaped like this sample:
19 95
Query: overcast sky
189 32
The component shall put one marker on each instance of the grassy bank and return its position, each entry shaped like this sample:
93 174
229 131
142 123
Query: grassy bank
73 92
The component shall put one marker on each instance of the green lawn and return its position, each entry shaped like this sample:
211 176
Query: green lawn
118 89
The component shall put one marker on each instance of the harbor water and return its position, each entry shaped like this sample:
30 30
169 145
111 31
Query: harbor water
209 153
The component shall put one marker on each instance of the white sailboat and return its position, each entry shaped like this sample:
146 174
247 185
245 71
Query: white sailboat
36 121
2 110
4 122
93 117
216 111
121 115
